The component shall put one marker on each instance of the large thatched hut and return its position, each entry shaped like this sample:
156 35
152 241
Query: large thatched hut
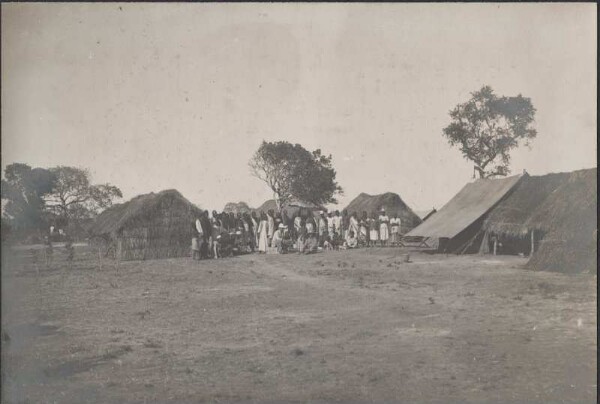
507 222
567 221
391 202
155 225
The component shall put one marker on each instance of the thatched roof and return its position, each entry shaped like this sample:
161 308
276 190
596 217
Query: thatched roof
391 202
116 217
237 207
292 208
469 205
568 219
509 216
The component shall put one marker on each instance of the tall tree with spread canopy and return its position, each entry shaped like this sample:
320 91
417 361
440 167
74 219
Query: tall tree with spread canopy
74 197
23 192
487 127
291 172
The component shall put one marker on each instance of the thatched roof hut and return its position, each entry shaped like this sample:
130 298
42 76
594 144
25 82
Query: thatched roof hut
391 202
292 208
237 207
509 217
148 226
568 221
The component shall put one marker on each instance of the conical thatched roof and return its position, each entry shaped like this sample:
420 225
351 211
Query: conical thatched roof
510 215
568 221
391 202
292 210
118 216
237 207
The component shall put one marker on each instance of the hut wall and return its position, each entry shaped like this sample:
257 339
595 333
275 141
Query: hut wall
163 233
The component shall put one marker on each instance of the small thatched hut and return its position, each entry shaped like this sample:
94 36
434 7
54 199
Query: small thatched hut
237 207
507 221
391 202
568 222
291 208
147 227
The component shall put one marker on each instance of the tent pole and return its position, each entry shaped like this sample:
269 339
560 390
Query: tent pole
532 242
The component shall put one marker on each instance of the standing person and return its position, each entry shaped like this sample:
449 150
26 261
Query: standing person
395 224
353 225
249 231
310 224
217 228
363 235
330 224
337 223
346 223
270 227
195 242
206 234
322 227
255 221
384 230
263 238
373 230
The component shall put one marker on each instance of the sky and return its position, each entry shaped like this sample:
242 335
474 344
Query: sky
160 96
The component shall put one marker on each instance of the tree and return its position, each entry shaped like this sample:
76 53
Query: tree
291 172
487 127
23 191
73 197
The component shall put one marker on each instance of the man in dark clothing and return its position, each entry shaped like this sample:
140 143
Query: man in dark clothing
206 232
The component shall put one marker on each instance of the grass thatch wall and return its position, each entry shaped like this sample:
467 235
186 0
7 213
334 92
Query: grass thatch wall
568 220
147 227
508 218
392 203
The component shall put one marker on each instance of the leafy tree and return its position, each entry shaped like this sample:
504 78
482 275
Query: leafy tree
74 197
291 172
23 192
487 127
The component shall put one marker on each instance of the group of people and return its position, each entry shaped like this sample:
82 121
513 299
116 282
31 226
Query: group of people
225 234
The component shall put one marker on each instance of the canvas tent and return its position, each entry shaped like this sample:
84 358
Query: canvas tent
425 214
567 221
155 225
391 202
456 227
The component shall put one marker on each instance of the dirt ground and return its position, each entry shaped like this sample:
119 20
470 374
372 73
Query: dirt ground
348 326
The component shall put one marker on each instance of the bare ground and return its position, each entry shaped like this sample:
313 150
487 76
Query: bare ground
351 326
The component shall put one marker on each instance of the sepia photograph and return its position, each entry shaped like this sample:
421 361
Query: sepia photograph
298 203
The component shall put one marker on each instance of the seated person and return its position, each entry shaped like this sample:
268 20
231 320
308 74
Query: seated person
277 240
351 240
327 243
224 245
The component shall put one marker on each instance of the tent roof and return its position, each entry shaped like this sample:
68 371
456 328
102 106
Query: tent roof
472 202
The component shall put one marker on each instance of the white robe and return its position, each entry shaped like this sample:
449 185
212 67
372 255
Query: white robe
262 236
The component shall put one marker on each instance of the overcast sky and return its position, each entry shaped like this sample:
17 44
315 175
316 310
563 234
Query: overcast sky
158 96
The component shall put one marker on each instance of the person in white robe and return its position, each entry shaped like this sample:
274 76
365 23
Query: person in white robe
384 229
263 239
